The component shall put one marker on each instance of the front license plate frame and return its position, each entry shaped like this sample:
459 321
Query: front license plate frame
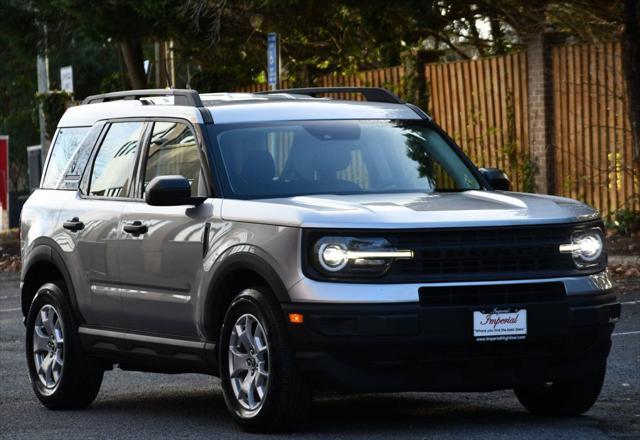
500 325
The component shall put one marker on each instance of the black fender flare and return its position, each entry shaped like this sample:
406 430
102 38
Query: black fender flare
237 258
46 250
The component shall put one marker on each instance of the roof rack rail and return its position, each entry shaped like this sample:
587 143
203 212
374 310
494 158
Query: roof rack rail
185 97
374 94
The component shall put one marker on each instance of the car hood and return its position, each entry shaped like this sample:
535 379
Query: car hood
409 210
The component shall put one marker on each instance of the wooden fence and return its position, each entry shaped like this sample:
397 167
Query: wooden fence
593 145
484 105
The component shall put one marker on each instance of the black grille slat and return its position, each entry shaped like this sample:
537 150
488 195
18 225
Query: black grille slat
483 253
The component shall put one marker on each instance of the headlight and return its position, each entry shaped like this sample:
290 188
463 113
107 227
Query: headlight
352 256
332 257
586 247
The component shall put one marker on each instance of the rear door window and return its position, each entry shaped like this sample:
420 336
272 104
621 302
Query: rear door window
114 164
64 148
173 151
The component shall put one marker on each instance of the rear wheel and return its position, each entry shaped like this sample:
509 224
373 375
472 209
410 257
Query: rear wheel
569 398
263 389
61 376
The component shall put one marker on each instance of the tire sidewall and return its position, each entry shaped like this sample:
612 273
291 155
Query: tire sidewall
249 301
565 399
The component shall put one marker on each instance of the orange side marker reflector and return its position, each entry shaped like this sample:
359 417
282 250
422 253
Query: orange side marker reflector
296 318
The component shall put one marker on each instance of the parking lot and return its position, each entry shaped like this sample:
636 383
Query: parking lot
140 405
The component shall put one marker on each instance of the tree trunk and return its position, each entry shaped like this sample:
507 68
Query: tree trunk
134 63
631 65
499 46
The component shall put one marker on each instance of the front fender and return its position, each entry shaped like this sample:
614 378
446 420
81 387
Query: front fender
237 258
46 250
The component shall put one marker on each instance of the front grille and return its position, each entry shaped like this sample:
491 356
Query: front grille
498 294
469 254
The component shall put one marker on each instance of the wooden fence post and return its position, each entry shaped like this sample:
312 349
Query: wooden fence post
541 117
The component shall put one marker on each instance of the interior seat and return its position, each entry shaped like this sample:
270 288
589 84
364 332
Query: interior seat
258 171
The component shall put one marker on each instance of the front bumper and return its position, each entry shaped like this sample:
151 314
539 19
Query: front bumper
414 347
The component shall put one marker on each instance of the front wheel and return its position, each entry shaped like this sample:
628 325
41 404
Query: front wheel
61 376
263 389
569 398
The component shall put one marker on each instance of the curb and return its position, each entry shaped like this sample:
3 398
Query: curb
623 260
10 276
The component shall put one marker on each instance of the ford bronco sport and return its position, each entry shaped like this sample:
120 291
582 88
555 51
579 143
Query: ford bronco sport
286 242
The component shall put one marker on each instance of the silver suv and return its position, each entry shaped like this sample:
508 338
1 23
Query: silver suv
287 242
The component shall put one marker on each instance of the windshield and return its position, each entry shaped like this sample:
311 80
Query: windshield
293 158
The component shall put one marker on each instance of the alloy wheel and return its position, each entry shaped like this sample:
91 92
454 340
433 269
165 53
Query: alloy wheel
249 362
48 347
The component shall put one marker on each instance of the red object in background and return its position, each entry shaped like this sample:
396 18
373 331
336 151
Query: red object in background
4 172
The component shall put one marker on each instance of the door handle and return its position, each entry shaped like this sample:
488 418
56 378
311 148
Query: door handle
73 225
135 228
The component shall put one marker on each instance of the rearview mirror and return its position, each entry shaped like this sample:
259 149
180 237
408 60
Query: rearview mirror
496 178
170 191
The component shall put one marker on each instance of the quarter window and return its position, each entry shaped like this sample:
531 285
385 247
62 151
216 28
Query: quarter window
173 151
67 142
115 161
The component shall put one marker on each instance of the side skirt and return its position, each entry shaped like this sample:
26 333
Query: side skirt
139 352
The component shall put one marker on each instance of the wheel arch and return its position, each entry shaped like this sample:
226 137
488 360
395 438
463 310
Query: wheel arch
237 271
45 264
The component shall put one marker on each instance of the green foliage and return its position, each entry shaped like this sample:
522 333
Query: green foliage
519 160
18 117
95 65
54 104
221 44
626 220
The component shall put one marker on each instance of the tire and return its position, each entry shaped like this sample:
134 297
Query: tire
73 381
563 399
286 396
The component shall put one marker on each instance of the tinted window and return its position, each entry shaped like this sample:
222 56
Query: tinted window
114 163
173 151
339 157
66 144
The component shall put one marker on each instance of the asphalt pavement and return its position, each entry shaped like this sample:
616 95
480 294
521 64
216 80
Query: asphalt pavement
154 406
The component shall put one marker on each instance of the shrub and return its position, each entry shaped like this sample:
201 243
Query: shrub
626 220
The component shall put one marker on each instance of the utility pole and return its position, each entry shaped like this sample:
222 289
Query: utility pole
42 63
161 64
171 63
165 64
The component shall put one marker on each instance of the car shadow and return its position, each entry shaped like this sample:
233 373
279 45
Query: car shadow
348 416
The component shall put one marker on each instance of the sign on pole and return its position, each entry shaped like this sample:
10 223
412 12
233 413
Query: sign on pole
273 60
66 79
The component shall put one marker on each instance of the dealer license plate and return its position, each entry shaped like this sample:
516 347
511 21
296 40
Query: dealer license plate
500 324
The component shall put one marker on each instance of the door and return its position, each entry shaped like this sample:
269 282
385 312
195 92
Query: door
161 247
91 221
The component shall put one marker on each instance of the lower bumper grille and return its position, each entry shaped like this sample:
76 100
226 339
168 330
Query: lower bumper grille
496 294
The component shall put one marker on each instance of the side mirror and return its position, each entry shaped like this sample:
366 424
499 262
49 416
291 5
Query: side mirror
170 191
496 178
